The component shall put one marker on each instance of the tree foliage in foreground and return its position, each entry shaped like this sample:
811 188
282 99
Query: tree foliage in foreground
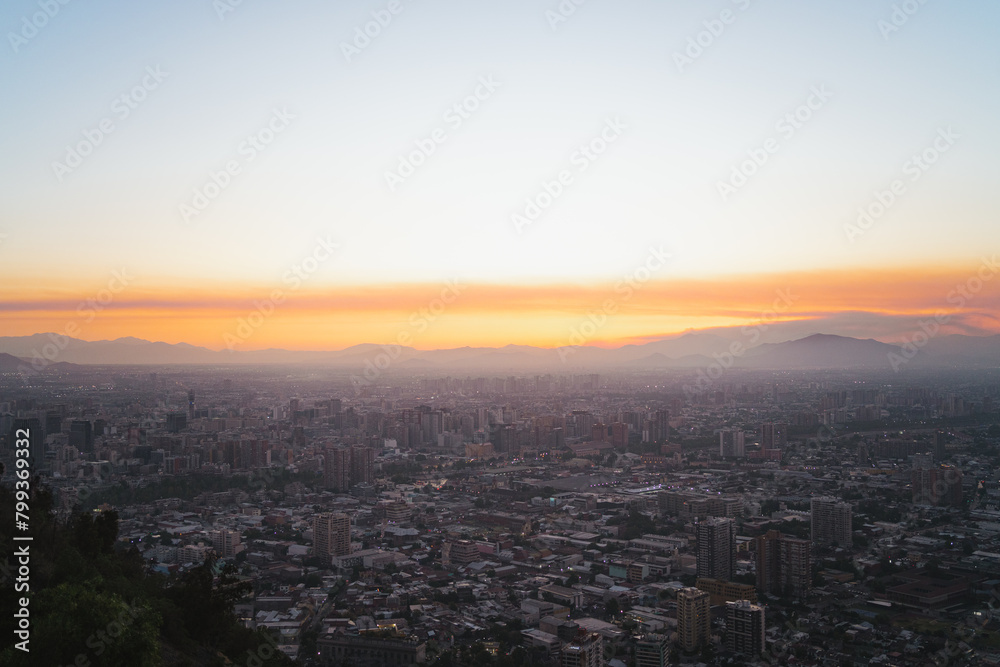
92 602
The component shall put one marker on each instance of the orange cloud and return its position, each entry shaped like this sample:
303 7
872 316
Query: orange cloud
869 303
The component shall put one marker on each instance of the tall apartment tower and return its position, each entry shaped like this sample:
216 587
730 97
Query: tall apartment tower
940 452
732 444
362 465
831 522
599 432
693 619
716 548
661 418
619 435
81 435
586 650
652 651
773 435
331 535
784 565
337 469
745 627
937 485
225 542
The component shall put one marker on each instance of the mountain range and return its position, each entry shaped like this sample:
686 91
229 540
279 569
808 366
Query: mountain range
688 351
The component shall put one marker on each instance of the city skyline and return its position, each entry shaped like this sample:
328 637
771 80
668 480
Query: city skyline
542 333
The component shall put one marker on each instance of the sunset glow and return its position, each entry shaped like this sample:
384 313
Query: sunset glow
554 166
879 304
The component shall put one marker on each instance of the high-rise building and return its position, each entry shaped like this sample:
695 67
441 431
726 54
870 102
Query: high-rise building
619 435
586 650
432 425
53 423
726 591
632 418
732 444
716 548
362 465
652 651
176 422
661 419
398 511
331 535
599 432
81 435
558 439
745 628
337 469
937 485
462 552
693 619
940 453
505 439
831 522
784 565
225 542
773 435
191 404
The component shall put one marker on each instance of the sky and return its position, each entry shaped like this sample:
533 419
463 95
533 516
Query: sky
314 175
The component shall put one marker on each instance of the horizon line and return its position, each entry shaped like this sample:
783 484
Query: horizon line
708 331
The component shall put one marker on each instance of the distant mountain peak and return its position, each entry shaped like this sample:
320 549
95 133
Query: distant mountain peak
689 350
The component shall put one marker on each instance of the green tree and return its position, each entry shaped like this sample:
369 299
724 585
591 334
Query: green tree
79 620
